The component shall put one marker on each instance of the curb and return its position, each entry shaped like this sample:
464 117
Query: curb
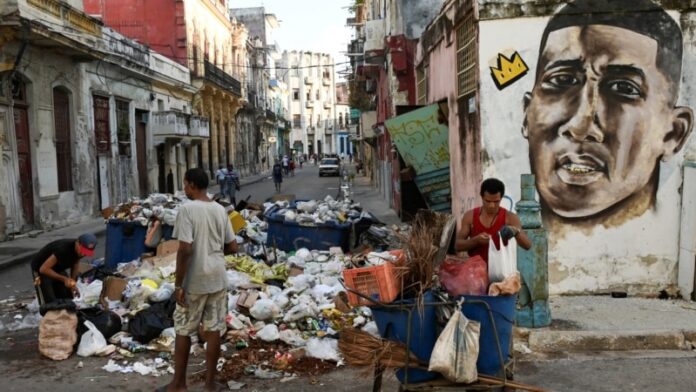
548 341
26 256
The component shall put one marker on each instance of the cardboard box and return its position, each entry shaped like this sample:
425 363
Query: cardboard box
112 289
161 261
247 299
294 271
289 197
83 267
167 247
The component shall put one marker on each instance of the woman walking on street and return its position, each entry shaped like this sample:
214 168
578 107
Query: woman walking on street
277 175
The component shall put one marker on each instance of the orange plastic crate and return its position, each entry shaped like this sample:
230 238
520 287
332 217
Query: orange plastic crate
378 282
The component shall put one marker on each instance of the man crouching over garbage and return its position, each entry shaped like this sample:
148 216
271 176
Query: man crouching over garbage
205 236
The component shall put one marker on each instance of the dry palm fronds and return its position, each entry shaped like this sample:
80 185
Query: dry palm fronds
362 349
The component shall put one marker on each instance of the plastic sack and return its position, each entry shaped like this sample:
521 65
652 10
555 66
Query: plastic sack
464 277
57 335
265 309
107 322
235 279
269 333
502 263
149 323
292 337
163 293
326 349
456 351
89 293
92 341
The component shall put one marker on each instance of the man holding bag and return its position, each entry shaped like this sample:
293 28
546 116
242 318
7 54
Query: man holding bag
485 223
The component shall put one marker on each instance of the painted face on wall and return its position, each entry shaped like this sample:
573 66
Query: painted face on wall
599 119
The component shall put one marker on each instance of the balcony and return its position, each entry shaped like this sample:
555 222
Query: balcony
374 35
326 82
222 79
327 105
308 80
178 125
311 130
200 127
309 104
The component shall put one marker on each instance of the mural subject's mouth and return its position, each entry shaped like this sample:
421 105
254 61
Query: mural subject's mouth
580 169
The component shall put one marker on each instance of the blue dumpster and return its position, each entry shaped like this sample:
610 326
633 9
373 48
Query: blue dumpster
393 325
289 236
125 241
503 310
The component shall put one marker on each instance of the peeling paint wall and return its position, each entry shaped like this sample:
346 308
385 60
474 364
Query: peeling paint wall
631 243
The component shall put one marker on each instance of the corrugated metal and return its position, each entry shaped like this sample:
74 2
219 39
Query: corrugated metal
436 190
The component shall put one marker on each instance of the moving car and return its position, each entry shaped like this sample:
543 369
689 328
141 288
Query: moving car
329 166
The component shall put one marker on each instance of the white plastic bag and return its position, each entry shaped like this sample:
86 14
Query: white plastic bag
502 263
92 341
457 349
326 349
269 333
265 309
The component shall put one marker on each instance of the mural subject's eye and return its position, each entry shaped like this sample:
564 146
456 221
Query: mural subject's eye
559 81
624 88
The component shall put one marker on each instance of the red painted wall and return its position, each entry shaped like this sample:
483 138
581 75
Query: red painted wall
159 24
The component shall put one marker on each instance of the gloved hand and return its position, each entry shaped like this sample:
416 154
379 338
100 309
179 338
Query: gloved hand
506 232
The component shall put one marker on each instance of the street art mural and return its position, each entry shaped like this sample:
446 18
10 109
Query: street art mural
508 69
606 120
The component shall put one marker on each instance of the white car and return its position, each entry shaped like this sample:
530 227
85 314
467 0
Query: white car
329 166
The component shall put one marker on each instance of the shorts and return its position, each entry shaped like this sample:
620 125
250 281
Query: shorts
209 309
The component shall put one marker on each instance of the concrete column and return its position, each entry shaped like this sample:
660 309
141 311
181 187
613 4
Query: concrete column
533 302
213 117
687 237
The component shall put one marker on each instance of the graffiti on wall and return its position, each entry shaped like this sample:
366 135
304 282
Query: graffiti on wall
602 114
508 69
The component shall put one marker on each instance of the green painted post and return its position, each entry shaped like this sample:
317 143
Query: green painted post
533 303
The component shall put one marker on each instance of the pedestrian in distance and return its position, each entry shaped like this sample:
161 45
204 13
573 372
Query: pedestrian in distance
291 167
50 264
231 184
277 175
286 165
205 236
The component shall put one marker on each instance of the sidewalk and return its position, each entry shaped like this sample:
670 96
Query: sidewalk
23 247
603 323
371 200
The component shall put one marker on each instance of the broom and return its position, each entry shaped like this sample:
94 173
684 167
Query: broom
362 349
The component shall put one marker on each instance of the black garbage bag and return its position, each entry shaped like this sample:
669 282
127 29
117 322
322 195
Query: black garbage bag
149 323
100 273
107 322
58 304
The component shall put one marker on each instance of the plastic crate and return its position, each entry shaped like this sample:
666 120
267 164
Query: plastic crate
125 241
378 282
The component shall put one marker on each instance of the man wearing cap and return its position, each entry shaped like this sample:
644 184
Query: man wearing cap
52 261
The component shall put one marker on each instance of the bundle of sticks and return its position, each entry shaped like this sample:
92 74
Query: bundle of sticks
362 349
421 246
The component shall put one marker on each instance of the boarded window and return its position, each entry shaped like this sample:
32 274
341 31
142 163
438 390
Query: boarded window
101 124
123 128
466 56
422 84
61 119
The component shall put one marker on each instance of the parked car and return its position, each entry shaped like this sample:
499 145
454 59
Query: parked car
329 166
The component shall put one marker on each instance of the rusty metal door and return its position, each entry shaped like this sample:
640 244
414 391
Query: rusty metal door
26 181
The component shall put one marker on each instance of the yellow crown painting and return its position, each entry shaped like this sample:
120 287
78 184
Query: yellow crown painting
508 70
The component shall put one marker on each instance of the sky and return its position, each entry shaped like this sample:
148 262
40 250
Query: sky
314 25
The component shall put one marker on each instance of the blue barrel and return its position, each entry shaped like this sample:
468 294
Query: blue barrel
393 325
503 309
125 241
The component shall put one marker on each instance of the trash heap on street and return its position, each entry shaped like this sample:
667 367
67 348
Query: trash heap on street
286 309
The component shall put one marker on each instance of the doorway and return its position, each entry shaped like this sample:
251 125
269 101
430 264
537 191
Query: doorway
141 151
26 181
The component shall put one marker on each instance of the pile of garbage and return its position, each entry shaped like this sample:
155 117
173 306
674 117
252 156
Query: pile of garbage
160 205
317 213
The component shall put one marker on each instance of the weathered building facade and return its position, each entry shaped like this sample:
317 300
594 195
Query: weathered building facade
310 78
202 38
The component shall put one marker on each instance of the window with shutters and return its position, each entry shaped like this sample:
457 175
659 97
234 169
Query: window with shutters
466 56
61 120
123 132
101 124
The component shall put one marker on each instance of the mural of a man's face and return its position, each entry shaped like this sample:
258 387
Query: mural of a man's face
599 119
